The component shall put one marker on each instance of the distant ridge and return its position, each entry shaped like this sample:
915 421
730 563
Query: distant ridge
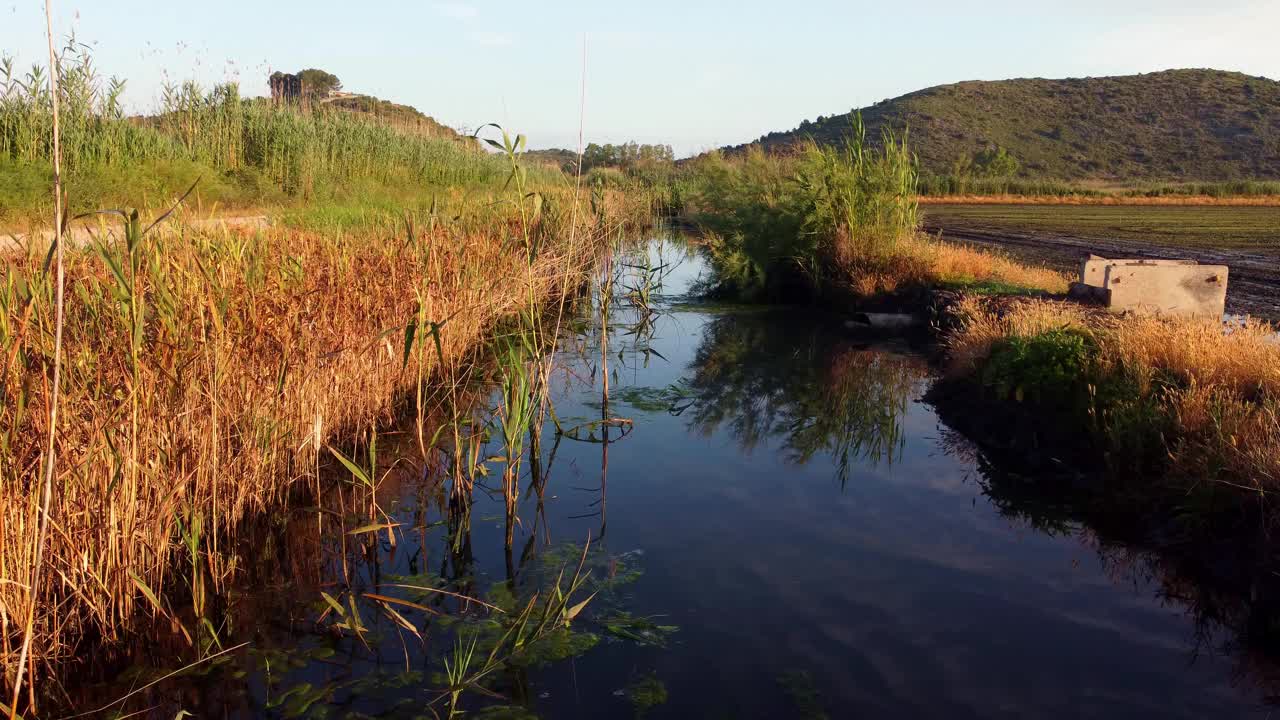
1206 125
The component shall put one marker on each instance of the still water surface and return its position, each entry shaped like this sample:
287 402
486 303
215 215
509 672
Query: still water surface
825 546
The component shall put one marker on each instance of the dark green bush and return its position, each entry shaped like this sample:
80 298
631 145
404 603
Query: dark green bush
1053 369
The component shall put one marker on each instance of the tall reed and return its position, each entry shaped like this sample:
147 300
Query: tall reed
833 220
50 453
247 150
205 369
776 222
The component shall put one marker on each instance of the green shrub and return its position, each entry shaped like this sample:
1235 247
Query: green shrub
1052 369
777 221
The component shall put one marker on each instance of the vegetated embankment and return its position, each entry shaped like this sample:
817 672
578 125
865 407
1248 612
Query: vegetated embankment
1104 199
248 153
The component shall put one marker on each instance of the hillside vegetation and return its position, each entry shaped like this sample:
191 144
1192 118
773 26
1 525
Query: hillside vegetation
1176 125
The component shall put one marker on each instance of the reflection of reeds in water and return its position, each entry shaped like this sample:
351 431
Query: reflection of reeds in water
859 416
804 388
383 587
1232 604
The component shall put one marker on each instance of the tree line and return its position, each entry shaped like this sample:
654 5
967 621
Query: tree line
626 156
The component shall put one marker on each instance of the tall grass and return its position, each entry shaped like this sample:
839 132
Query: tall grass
952 185
207 368
246 149
776 221
832 219
1220 189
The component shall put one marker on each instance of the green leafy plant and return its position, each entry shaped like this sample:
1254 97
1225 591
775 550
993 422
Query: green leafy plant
1053 368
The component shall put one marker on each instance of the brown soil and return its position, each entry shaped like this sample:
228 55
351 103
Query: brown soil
1243 201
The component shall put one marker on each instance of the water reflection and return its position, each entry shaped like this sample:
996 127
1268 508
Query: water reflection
765 376
1232 608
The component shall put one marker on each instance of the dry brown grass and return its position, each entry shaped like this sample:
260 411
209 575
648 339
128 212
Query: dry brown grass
1218 388
252 349
922 261
984 322
1244 359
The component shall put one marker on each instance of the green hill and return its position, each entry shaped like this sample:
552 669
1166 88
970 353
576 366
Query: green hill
1176 125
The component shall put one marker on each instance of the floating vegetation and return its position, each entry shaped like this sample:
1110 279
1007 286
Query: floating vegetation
673 399
640 630
645 693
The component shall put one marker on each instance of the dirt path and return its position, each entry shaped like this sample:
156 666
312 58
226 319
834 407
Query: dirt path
1254 285
81 233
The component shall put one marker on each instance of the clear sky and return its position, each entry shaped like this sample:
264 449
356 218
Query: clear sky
691 73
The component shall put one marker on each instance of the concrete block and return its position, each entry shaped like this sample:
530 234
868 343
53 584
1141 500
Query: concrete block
1094 268
1167 289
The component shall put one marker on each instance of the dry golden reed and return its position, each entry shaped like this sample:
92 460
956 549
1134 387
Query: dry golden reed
918 260
203 371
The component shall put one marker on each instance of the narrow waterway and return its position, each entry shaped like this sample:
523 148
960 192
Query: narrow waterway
778 526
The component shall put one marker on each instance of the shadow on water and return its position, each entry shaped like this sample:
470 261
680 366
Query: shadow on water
724 512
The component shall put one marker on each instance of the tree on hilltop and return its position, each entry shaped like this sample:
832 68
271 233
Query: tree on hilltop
318 82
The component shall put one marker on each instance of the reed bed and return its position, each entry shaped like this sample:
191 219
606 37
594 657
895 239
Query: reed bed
946 188
206 370
844 218
774 222
248 152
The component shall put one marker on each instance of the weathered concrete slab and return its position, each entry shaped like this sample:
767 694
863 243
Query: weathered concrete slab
1167 289
1093 269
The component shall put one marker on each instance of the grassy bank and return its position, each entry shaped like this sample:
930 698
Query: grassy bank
1045 190
1103 200
1179 412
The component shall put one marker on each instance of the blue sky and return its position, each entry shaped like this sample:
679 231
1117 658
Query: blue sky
694 74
